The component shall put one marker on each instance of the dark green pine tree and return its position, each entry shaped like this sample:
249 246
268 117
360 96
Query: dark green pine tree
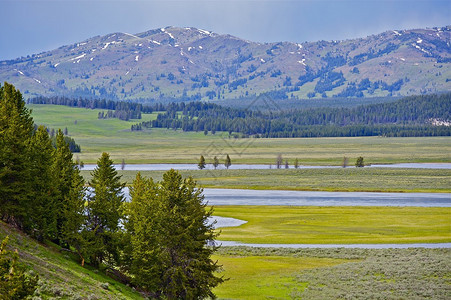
69 190
359 162
43 212
201 164
169 230
105 211
228 162
16 129
215 162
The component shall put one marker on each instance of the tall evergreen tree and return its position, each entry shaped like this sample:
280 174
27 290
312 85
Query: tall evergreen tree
16 128
279 161
228 162
201 164
69 185
43 209
168 224
215 162
105 211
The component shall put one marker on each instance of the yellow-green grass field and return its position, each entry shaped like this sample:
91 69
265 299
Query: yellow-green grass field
336 273
337 225
168 146
265 277
338 179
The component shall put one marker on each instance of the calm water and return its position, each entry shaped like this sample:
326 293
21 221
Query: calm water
304 198
165 167
361 246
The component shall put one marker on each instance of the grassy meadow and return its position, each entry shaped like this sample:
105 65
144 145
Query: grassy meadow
338 179
266 276
335 273
169 146
337 225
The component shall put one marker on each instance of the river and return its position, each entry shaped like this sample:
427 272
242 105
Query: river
165 167
305 198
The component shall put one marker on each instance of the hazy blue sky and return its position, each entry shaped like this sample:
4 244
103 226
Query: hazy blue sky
33 26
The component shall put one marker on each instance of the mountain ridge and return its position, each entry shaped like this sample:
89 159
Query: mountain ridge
193 64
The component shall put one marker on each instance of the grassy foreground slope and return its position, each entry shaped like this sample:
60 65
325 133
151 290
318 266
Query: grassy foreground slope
60 276
169 146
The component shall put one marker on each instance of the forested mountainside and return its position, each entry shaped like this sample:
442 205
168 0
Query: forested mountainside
187 64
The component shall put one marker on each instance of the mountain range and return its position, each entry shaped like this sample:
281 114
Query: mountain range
192 64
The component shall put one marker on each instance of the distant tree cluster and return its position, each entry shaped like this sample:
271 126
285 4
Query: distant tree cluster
116 109
410 116
159 240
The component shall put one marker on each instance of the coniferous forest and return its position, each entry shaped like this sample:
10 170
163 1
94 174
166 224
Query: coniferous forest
408 117
157 242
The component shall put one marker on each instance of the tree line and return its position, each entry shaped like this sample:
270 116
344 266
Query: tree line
410 116
122 110
157 242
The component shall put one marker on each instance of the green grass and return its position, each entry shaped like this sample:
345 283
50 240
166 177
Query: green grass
61 277
260 277
337 225
335 273
169 146
348 180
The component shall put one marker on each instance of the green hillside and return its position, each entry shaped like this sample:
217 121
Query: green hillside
61 277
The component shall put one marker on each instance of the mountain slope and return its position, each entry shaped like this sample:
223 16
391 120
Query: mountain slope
192 63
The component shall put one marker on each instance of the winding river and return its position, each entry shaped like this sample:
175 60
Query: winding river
218 197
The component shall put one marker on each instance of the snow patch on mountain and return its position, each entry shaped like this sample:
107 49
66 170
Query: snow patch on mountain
79 57
132 35
204 31
302 62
